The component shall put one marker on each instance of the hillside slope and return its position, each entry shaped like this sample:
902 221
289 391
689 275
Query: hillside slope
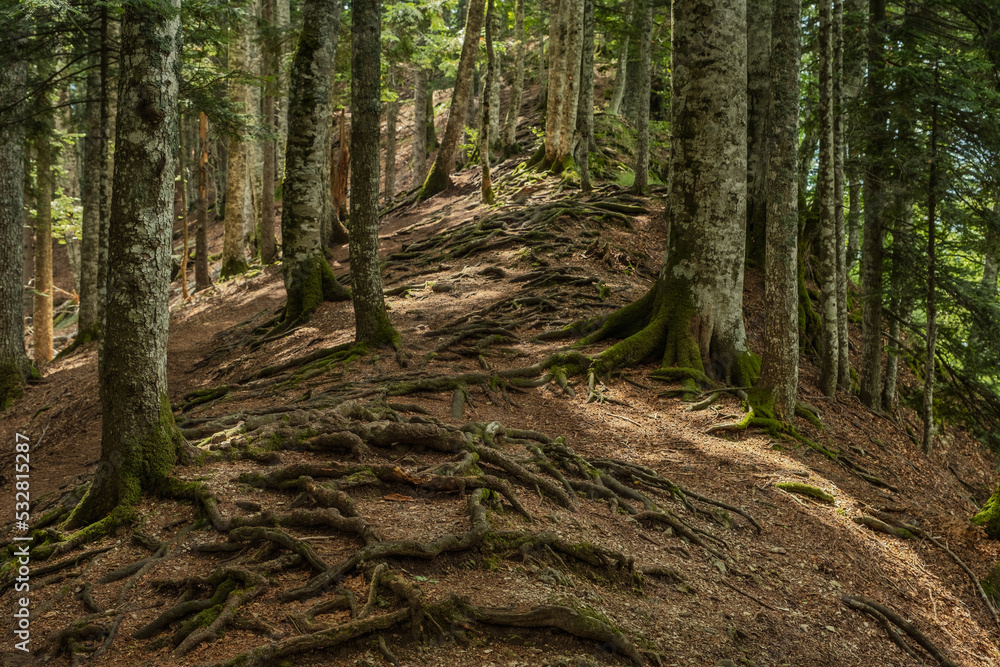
342 536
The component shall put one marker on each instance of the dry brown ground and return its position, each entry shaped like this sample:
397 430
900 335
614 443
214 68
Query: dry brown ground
768 598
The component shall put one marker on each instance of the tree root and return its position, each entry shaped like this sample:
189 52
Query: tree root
883 614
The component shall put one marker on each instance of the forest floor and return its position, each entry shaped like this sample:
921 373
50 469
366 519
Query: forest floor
341 538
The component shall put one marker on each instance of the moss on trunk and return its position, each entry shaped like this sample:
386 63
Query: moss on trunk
989 516
308 284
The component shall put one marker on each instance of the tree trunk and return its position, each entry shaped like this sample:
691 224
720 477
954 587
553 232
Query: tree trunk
439 177
901 281
514 108
585 113
826 188
15 367
202 278
90 200
391 118
871 251
855 58
621 73
419 153
486 188
758 83
341 175
41 316
139 441
282 17
493 88
928 439
778 380
239 211
641 183
309 280
271 66
991 257
565 50
371 322
839 155
109 106
182 184
693 316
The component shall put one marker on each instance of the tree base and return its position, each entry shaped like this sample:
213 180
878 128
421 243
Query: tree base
308 284
233 267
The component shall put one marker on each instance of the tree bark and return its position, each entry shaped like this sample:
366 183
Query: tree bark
514 108
202 278
839 157
139 441
826 189
419 153
391 117
928 439
641 183
439 177
371 322
585 113
41 316
778 382
564 80
271 66
15 366
759 45
485 131
90 200
493 88
239 211
693 317
621 73
871 250
309 280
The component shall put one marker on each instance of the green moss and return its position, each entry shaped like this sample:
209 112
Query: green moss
11 384
806 490
234 266
437 181
989 516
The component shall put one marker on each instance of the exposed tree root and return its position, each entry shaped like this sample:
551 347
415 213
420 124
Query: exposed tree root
883 614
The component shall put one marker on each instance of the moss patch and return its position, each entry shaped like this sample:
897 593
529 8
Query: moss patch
989 516
806 490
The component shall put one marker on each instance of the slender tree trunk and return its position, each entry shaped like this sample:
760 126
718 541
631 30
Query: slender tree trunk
202 278
419 152
282 12
15 366
90 200
693 315
239 211
778 382
41 319
585 114
928 440
182 183
871 251
991 257
759 14
633 74
493 89
839 156
901 304
139 441
309 280
109 105
621 73
514 108
641 184
556 80
371 322
486 188
439 177
341 175
826 189
391 118
271 66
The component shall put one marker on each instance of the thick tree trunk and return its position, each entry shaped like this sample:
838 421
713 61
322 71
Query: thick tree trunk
202 278
585 113
309 280
641 183
564 80
439 177
41 316
391 117
371 322
139 441
282 12
871 251
239 215
778 380
109 106
485 131
826 189
509 142
15 367
759 14
90 200
693 316
418 159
